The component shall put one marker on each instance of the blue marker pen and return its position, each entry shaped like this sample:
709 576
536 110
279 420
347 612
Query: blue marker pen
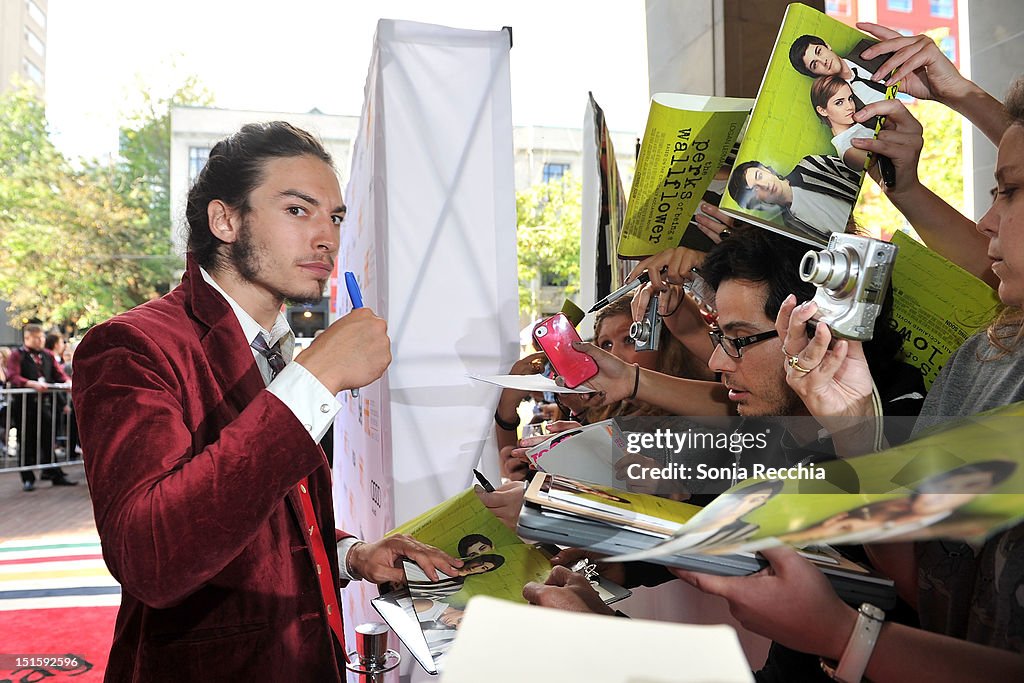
356 297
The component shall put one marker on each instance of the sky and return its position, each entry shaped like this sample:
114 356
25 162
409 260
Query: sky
294 55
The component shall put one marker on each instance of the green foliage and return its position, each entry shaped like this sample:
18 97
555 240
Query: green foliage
940 169
548 236
144 171
81 244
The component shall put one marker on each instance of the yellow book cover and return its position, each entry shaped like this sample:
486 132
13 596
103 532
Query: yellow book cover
937 305
686 142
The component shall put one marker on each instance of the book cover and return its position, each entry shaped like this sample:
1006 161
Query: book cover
937 305
796 171
496 563
961 481
687 140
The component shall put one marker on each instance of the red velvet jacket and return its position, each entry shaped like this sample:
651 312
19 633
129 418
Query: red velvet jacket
191 465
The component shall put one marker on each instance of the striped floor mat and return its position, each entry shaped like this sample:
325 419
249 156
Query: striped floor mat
55 572
58 603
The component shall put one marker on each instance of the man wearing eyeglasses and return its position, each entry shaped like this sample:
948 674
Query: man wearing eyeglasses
753 272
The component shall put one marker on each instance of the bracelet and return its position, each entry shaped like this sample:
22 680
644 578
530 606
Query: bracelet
636 382
507 426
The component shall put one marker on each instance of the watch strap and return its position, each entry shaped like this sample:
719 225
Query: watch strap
861 644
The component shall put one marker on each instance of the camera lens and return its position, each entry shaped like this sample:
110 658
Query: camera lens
640 331
832 270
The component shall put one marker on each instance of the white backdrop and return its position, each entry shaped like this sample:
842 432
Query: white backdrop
430 235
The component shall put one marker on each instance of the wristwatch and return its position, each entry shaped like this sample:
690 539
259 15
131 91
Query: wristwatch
854 661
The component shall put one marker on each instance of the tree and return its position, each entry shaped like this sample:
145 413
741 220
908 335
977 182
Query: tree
74 250
144 170
548 235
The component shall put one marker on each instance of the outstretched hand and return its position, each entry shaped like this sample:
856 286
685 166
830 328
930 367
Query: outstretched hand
776 601
671 266
379 561
567 590
614 379
919 65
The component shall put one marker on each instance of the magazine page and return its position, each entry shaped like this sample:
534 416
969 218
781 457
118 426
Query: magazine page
637 511
498 572
937 305
496 562
451 525
797 172
588 453
964 481
687 140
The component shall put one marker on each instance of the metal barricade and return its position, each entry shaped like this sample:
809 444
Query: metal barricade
38 430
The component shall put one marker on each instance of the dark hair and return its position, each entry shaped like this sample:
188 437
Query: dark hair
824 89
31 328
490 558
797 50
771 487
471 539
51 340
999 469
234 169
742 193
760 256
1014 102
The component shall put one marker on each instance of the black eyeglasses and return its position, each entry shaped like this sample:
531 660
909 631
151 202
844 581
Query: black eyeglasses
733 346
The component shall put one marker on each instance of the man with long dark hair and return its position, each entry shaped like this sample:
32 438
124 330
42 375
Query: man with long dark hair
211 495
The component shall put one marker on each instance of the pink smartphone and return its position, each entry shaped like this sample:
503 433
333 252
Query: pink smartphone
555 337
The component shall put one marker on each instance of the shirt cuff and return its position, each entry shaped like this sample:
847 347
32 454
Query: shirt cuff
344 546
309 400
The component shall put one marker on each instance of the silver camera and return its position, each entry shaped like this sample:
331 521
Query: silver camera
852 275
646 333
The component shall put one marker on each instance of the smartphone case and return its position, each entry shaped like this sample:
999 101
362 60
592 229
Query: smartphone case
555 337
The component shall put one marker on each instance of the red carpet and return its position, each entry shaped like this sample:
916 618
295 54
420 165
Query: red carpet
81 632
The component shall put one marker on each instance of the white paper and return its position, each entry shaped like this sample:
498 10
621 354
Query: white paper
569 646
530 383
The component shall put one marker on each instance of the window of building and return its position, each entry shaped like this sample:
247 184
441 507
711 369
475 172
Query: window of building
37 14
900 5
33 72
33 42
941 8
554 171
197 157
948 47
837 8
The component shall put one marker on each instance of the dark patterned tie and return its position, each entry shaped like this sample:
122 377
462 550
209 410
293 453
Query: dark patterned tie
272 354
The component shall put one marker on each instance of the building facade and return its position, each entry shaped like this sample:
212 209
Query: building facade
23 43
940 18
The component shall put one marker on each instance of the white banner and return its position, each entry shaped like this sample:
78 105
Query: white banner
430 235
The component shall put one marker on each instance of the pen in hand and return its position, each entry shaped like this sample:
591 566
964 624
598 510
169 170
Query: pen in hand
488 487
356 297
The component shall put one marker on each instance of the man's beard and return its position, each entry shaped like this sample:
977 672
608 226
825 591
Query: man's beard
245 258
